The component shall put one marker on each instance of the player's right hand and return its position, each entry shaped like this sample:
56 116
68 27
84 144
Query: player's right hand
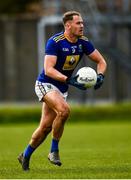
73 81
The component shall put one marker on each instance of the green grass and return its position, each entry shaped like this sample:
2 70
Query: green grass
88 150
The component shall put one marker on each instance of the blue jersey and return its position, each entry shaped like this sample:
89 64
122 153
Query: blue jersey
68 56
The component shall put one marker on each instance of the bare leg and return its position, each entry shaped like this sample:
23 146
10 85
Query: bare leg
56 102
45 126
55 112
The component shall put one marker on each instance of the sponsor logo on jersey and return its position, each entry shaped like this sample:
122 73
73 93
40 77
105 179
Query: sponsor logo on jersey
71 62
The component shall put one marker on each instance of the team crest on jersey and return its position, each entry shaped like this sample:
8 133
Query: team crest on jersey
49 86
71 62
80 48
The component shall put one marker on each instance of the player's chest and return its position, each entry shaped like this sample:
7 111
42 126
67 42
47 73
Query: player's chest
70 49
70 55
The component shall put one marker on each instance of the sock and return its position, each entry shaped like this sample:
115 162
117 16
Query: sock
28 151
54 145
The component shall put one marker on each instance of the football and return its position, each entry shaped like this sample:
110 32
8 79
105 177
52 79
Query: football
87 76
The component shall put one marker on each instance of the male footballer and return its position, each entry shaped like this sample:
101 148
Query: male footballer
63 52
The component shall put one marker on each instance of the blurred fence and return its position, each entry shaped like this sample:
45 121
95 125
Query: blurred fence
19 60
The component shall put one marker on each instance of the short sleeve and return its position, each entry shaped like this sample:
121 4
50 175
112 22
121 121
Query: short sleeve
51 48
88 47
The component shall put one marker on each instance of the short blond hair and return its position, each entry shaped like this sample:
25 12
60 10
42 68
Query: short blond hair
69 16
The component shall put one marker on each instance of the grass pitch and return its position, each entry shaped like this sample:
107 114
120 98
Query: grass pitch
88 150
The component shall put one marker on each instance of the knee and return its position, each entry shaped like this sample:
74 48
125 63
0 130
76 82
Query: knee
64 112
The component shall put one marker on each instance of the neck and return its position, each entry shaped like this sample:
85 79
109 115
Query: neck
70 37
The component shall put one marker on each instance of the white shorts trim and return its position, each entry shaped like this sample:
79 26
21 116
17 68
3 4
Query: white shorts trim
41 89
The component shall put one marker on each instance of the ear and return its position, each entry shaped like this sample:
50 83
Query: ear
68 24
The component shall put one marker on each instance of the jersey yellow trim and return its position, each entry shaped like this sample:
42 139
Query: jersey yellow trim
59 38
69 39
84 38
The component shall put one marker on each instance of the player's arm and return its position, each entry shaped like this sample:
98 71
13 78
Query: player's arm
50 71
49 64
94 55
99 59
101 67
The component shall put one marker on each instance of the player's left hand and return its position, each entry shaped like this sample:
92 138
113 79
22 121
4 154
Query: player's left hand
100 80
73 81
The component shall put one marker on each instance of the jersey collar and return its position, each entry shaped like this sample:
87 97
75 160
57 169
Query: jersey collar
69 39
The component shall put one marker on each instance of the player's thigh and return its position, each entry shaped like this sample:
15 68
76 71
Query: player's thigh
48 116
56 102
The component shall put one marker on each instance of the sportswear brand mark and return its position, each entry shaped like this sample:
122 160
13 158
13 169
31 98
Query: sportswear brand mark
65 49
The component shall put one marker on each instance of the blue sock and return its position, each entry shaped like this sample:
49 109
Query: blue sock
28 151
54 145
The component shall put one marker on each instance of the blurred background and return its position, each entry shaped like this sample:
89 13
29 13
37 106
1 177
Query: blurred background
25 26
96 143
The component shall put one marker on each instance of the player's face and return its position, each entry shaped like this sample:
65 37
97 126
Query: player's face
77 26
